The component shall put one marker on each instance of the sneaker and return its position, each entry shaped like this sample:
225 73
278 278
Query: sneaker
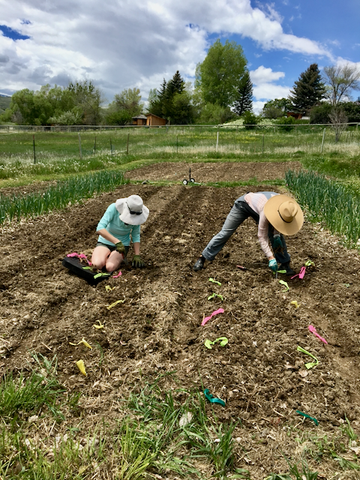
287 268
199 264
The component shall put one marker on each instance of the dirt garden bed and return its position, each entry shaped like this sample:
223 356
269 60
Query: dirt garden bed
259 374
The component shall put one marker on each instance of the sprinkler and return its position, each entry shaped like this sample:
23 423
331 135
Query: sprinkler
191 180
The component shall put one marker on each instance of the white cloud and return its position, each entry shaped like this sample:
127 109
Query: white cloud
264 87
127 43
263 74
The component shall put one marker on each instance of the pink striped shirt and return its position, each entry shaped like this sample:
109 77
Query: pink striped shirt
257 202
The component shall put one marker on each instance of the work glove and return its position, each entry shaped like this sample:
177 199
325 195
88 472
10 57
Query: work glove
277 242
137 262
120 248
273 265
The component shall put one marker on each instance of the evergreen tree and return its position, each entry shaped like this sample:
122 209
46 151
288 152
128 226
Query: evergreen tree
308 91
156 100
243 103
175 85
172 101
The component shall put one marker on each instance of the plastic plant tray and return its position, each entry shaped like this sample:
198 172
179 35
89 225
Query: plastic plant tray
76 267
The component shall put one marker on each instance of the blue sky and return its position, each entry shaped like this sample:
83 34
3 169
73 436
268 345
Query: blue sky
136 43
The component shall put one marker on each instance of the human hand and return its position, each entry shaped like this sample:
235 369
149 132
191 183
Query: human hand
277 242
273 265
137 262
120 248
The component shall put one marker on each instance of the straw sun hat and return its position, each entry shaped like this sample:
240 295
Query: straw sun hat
132 210
284 214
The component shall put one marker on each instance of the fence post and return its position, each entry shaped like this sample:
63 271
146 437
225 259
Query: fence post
217 140
177 143
95 145
263 143
322 143
111 149
80 151
127 144
34 149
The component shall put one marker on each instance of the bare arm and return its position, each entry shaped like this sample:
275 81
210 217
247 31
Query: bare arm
104 233
137 248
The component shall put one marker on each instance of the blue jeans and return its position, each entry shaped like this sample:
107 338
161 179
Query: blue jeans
238 214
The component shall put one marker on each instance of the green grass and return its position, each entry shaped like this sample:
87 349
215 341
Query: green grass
173 140
57 197
25 395
159 433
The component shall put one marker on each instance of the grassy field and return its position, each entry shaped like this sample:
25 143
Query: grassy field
57 155
174 140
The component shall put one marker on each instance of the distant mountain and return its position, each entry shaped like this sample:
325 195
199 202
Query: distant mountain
4 102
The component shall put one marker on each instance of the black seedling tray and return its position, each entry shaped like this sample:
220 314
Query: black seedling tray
75 266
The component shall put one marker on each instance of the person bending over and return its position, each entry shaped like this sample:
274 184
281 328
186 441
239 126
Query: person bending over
276 215
121 221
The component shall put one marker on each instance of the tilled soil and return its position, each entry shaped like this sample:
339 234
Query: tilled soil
259 373
212 171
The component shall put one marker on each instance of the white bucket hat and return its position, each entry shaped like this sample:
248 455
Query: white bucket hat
132 210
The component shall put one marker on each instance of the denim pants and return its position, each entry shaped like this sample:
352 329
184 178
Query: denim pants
238 214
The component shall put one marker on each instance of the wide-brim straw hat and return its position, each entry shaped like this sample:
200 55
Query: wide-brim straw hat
132 210
284 214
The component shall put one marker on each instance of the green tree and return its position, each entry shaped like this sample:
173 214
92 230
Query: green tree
79 102
157 99
243 102
173 101
321 113
124 107
213 114
129 100
308 91
35 108
352 111
175 85
183 110
154 102
250 120
219 76
276 108
88 98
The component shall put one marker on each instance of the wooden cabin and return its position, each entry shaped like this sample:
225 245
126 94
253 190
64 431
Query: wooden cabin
150 120
154 120
140 120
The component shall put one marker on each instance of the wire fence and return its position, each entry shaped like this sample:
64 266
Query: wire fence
48 145
266 125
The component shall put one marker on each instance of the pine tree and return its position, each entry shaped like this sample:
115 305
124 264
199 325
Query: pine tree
308 91
243 102
175 85
172 101
157 99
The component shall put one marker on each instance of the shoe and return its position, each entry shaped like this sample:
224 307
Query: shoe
199 264
287 268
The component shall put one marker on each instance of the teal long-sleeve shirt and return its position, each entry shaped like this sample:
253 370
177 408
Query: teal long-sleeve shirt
112 223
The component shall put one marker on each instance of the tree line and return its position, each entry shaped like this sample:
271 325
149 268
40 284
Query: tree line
323 98
222 91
